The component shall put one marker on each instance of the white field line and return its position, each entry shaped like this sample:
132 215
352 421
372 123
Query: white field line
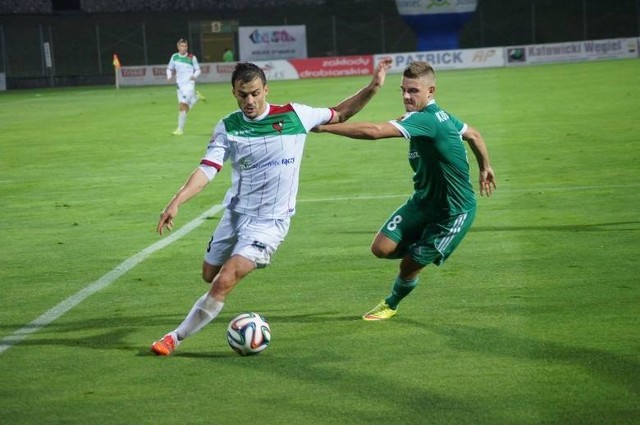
136 259
103 282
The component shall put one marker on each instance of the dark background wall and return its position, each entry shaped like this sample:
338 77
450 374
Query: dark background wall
84 34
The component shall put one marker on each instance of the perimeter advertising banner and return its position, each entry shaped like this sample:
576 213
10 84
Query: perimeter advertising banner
616 48
449 59
336 66
279 69
340 66
155 75
274 42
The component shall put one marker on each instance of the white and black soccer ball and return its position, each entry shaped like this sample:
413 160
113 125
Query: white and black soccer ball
248 333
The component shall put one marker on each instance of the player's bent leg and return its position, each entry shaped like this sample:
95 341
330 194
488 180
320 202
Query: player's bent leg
230 274
383 247
409 268
205 309
405 282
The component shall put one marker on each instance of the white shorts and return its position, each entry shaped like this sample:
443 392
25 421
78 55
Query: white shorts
187 94
254 238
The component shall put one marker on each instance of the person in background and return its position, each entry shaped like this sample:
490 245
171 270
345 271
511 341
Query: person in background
432 223
227 56
185 67
264 144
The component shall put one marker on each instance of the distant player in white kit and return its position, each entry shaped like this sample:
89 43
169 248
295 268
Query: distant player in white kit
264 143
187 70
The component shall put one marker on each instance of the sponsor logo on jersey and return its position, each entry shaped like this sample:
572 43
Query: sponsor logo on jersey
246 164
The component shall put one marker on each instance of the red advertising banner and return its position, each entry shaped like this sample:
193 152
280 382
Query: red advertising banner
335 66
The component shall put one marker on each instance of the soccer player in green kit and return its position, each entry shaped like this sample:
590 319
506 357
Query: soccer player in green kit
435 219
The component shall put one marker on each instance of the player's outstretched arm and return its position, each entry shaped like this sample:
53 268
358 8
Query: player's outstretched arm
354 104
479 148
196 182
361 130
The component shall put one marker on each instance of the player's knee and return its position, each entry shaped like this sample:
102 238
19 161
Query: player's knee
379 251
223 283
383 247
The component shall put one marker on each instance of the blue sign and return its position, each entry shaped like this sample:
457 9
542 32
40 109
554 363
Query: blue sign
437 23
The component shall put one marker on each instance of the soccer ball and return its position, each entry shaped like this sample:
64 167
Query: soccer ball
248 333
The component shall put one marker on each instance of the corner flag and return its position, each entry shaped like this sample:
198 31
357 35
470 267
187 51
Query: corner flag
116 69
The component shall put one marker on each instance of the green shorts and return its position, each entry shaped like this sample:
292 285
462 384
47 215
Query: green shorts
429 239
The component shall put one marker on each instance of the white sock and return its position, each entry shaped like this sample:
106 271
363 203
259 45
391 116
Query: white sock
182 118
203 311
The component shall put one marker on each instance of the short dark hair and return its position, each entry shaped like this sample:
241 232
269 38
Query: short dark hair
246 72
417 69
182 40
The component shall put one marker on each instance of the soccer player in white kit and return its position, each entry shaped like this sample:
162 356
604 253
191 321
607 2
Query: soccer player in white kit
264 144
187 70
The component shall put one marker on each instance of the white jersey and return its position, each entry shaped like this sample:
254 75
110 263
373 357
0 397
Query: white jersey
185 67
266 154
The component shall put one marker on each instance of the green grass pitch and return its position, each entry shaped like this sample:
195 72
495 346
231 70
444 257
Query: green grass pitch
534 319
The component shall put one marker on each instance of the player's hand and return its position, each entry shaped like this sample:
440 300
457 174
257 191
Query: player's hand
381 71
487 181
166 219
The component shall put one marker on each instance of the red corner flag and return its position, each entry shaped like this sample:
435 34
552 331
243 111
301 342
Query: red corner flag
116 61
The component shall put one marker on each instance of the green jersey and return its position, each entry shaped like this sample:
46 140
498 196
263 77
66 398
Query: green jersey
439 160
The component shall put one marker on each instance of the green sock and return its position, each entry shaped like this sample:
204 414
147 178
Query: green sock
401 288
